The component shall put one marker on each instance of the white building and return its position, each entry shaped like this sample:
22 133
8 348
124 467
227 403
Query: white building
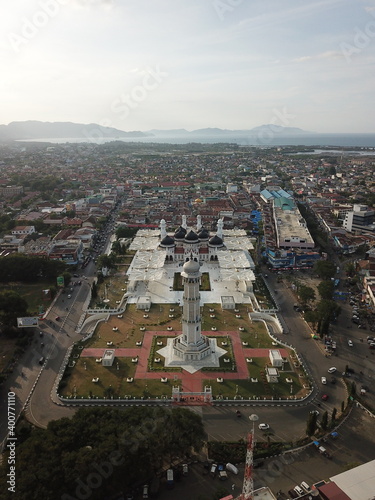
276 358
108 357
360 220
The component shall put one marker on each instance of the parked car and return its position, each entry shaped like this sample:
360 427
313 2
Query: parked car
324 397
263 427
305 486
332 369
350 343
299 490
324 380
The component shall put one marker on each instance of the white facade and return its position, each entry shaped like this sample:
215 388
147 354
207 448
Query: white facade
108 357
276 358
191 345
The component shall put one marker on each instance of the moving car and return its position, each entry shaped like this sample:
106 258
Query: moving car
332 369
324 397
324 380
350 343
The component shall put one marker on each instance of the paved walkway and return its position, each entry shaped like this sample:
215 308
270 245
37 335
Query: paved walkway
191 382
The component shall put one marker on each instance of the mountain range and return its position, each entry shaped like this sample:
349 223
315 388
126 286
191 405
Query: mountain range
32 129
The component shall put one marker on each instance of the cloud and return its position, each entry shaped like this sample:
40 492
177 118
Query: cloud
330 54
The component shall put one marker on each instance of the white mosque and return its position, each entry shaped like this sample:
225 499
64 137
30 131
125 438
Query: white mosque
191 251
224 255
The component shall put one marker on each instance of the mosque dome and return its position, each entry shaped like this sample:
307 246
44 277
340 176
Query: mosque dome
215 241
167 241
191 266
191 237
180 233
203 234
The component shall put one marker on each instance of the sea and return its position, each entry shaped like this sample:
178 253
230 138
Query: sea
262 141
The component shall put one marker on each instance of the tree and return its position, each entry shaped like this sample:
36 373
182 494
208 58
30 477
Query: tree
311 317
306 294
333 416
106 261
325 269
125 232
350 269
327 311
311 424
94 290
12 306
120 448
326 289
324 421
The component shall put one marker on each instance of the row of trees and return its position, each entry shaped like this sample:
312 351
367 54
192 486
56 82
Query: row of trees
101 451
326 310
29 269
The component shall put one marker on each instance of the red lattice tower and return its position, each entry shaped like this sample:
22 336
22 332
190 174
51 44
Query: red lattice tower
248 483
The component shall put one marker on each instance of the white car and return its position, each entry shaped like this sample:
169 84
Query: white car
332 369
324 380
264 427
350 343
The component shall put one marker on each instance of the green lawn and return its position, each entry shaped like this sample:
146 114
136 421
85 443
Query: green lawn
112 381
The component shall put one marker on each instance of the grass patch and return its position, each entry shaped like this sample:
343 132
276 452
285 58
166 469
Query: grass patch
32 293
112 381
204 286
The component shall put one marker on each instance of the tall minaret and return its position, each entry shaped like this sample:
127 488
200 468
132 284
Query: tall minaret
191 316
191 345
163 229
199 222
220 225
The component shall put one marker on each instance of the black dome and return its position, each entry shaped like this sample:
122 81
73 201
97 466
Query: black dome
191 236
215 241
180 233
203 234
167 241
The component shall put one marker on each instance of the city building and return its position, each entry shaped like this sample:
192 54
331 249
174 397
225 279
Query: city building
360 220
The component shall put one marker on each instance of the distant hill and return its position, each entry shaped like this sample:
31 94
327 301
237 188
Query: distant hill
219 132
33 129
53 130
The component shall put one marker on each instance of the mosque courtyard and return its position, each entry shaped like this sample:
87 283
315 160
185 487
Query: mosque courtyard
136 343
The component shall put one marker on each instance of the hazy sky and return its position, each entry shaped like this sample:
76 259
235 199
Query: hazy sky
236 64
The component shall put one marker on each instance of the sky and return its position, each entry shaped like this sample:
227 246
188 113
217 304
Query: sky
167 64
